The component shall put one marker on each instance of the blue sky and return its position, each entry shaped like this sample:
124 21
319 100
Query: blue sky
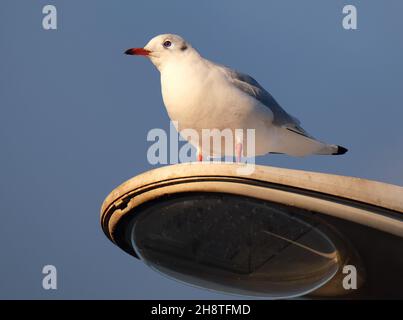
75 112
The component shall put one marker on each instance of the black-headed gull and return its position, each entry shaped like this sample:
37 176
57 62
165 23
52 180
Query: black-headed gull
200 94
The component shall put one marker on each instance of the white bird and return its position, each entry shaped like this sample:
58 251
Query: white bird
200 94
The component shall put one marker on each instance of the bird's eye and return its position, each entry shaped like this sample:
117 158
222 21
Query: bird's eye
167 44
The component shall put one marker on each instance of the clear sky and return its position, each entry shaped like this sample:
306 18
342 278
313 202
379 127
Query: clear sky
75 112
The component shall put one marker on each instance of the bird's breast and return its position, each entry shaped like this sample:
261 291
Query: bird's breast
187 96
202 98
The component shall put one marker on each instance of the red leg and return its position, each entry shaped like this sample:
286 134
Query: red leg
200 157
238 151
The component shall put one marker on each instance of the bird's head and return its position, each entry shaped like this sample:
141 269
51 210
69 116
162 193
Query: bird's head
163 49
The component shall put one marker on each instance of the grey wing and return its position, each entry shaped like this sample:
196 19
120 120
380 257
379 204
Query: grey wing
251 87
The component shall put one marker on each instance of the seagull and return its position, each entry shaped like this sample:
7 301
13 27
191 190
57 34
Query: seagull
200 94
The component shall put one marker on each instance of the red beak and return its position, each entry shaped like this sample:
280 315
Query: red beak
138 52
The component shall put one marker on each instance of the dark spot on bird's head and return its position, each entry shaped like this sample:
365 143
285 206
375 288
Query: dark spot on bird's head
184 47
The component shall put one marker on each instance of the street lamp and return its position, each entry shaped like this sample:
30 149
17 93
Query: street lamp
276 233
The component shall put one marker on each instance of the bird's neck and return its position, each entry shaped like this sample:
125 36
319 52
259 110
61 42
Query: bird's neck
184 62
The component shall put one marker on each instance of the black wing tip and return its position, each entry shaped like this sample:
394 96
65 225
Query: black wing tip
340 150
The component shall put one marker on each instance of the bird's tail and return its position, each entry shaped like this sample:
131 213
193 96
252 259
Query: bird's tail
331 149
296 142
